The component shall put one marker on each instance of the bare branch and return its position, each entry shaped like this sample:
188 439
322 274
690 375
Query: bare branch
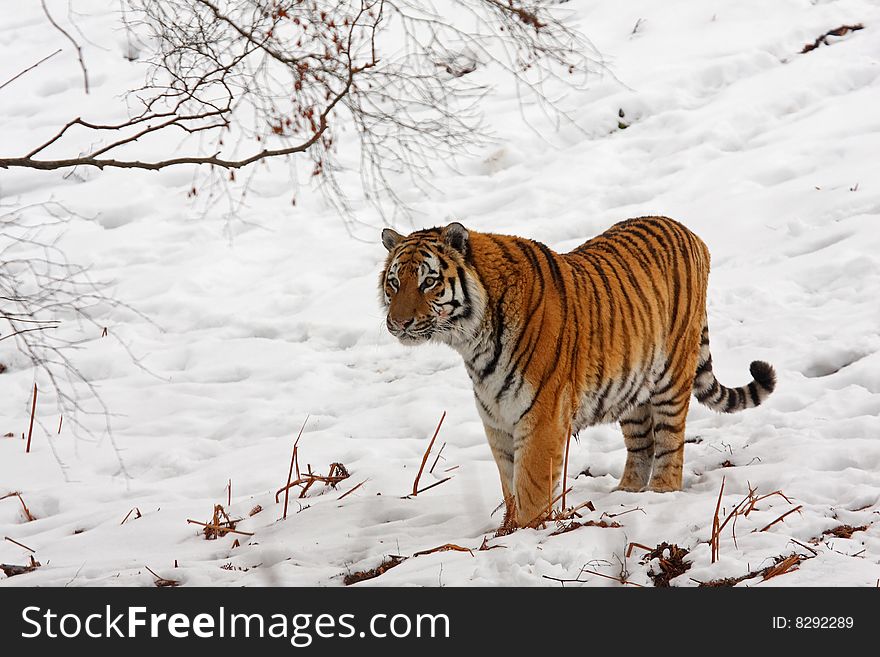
263 79
76 45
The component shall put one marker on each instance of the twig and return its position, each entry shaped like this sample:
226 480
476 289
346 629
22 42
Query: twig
425 457
351 490
136 510
592 572
806 547
82 62
797 508
444 548
605 514
27 511
12 540
764 497
436 483
31 428
29 68
434 465
637 545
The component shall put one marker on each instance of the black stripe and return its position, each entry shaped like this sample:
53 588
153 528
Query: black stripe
732 400
498 330
466 303
660 455
669 428
702 397
753 393
704 367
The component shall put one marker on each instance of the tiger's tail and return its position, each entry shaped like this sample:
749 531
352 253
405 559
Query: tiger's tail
711 393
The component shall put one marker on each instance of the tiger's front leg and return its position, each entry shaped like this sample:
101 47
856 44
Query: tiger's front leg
537 469
501 444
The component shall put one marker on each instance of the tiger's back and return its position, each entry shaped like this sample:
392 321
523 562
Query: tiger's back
614 330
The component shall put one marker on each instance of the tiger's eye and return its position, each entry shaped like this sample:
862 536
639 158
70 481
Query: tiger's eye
428 282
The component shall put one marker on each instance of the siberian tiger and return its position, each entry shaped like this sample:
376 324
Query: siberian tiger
615 330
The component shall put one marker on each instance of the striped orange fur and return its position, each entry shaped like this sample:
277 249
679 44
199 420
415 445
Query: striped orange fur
614 331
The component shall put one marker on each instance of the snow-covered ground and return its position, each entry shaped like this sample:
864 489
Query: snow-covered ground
262 320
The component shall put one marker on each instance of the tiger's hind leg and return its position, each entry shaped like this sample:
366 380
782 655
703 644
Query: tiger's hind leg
638 434
669 406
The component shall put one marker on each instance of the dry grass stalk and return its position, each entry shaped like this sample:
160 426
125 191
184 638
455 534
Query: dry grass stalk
415 489
782 566
29 517
782 517
351 490
135 510
485 545
229 493
22 545
434 464
362 575
220 525
444 548
715 525
163 582
338 472
755 500
629 549
743 508
436 483
605 514
60 420
213 531
31 428
293 461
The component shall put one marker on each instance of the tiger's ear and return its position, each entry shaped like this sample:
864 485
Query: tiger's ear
390 238
456 236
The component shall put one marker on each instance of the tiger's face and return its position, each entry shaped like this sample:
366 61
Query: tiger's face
428 289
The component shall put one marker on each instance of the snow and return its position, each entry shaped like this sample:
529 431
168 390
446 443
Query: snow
251 323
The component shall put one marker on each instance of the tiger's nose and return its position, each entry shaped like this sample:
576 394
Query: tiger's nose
400 325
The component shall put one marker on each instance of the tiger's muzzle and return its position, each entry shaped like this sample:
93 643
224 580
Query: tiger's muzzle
410 331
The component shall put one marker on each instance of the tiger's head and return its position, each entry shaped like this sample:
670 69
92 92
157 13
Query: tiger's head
429 287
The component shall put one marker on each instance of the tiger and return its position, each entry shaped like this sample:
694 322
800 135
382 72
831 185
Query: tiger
614 331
